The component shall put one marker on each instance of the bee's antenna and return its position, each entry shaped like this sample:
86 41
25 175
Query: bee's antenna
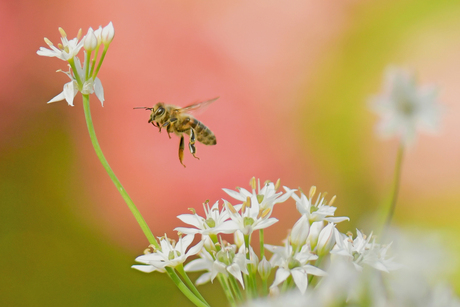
145 108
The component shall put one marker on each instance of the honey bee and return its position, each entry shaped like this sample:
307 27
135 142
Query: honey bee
180 121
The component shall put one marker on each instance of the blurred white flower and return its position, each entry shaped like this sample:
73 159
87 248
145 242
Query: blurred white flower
362 251
405 107
214 222
170 255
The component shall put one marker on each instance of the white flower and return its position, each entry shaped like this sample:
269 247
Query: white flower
214 221
362 251
405 107
319 211
265 197
204 263
226 261
170 255
251 218
71 88
293 264
66 51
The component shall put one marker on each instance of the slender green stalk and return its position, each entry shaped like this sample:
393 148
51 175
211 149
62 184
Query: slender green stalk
235 288
100 60
189 283
264 287
145 228
93 62
225 286
250 282
137 215
183 288
395 188
75 73
261 239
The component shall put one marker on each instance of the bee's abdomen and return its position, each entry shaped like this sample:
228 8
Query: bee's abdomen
204 135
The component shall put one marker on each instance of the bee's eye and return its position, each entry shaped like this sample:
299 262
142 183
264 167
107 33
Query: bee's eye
160 111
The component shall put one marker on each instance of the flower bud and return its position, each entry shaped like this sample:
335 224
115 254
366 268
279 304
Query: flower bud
326 240
264 269
90 42
315 229
300 232
108 32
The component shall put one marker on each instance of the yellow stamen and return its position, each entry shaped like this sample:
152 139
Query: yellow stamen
230 207
48 42
252 183
79 34
277 184
312 192
63 34
332 200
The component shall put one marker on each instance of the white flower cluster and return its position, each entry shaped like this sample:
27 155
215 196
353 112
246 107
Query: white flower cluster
82 76
299 263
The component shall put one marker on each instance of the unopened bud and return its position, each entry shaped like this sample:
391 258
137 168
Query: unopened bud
108 32
90 42
264 268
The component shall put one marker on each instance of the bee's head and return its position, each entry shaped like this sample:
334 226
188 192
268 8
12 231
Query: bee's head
158 111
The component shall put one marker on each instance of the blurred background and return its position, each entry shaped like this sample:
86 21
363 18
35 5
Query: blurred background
294 80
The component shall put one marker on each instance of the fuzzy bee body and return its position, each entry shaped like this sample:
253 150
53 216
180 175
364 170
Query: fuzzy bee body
179 121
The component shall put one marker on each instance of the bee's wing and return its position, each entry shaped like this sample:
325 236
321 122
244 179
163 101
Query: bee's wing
196 106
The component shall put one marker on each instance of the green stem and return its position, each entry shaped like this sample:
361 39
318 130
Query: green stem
100 61
183 288
137 215
189 283
93 62
75 73
395 189
261 239
236 288
225 286
145 228
264 287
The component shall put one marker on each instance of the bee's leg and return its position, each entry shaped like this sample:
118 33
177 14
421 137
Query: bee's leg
158 126
191 144
181 149
167 124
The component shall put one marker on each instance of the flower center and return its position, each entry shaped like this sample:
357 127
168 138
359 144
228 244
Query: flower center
248 221
406 107
211 223
293 263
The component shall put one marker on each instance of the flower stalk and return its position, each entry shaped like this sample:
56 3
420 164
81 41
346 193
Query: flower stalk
137 215
395 186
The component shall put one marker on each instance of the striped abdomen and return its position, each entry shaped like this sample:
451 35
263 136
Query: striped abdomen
203 134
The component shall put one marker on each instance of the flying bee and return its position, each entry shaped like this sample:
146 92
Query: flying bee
180 121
